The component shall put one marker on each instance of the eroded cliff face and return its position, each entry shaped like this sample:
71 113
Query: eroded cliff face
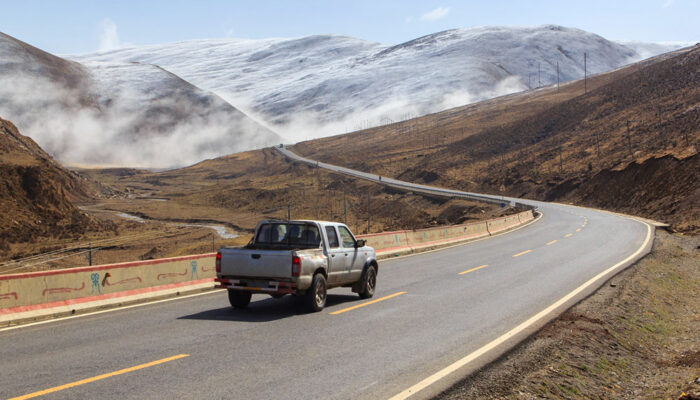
37 193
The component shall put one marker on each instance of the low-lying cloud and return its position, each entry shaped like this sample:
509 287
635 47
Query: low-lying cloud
124 128
310 125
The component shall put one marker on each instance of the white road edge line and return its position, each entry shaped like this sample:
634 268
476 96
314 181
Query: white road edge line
48 321
524 325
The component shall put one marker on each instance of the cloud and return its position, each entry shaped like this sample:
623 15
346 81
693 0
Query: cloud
126 124
435 14
396 107
109 38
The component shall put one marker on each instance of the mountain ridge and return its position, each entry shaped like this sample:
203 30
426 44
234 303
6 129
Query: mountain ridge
329 84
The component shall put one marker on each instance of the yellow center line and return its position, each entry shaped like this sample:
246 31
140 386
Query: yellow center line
578 230
367 303
552 242
521 253
473 269
99 377
569 235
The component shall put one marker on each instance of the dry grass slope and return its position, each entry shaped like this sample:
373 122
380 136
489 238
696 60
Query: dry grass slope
557 144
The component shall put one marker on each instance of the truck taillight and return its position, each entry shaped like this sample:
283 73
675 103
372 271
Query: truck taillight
296 266
218 262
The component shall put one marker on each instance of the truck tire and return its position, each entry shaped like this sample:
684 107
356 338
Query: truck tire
315 296
239 298
369 282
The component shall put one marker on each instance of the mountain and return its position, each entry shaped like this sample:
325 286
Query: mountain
627 142
111 113
323 84
36 193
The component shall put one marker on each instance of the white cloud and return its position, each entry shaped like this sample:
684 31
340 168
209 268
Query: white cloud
109 38
435 14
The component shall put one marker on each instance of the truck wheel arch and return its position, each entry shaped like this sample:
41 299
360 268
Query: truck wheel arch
321 271
371 263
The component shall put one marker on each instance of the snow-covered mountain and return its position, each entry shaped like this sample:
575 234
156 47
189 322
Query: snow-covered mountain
325 84
112 113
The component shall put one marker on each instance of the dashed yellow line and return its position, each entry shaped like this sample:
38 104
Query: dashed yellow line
473 269
521 253
569 235
367 303
578 230
552 242
99 377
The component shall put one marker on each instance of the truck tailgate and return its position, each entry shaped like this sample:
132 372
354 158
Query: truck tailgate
256 263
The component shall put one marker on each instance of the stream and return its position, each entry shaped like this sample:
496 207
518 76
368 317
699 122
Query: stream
221 230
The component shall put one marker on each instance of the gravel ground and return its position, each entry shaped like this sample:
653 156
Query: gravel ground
637 337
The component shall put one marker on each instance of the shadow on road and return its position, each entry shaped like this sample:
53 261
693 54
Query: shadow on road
267 309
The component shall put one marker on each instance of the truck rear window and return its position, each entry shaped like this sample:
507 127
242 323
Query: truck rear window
286 234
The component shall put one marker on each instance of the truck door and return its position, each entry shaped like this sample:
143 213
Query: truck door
355 259
336 257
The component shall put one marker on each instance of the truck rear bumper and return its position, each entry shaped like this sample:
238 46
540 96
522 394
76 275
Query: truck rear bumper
265 287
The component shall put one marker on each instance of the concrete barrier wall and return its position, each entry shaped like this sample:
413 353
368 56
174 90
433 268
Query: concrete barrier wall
390 241
17 291
386 240
45 289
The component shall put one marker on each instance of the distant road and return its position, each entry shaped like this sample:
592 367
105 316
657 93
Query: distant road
435 317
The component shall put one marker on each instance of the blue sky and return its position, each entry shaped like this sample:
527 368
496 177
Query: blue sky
77 26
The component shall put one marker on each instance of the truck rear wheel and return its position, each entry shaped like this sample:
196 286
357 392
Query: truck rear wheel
370 282
239 299
315 297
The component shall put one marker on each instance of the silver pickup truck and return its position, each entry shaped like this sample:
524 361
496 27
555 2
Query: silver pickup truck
303 258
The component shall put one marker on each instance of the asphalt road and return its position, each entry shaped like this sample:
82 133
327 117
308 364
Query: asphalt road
444 305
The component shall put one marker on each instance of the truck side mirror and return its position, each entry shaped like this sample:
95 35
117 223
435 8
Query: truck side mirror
360 243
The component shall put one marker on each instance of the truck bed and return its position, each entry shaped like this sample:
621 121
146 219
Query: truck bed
260 263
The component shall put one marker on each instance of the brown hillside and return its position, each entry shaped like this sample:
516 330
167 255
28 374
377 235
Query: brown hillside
557 144
36 193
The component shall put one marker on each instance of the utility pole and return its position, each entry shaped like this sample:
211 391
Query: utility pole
557 75
539 76
90 254
345 209
629 137
585 73
213 245
289 211
661 134
369 211
597 144
561 164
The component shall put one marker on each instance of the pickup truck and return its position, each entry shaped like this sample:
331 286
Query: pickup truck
302 258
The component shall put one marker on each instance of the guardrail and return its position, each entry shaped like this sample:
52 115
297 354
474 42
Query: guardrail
403 185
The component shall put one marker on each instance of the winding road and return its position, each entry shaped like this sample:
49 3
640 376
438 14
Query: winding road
435 317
